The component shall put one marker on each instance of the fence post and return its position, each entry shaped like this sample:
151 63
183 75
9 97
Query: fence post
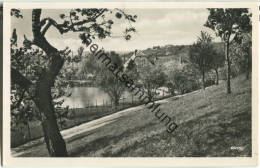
111 105
96 105
163 93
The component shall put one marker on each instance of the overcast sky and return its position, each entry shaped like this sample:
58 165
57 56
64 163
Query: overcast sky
154 27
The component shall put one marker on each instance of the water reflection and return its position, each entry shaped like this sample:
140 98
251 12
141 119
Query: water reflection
87 96
91 96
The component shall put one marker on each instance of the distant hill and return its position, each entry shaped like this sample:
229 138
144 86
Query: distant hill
169 55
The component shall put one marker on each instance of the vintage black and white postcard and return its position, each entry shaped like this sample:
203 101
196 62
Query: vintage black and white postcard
130 84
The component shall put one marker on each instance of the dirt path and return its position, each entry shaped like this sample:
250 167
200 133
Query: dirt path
75 134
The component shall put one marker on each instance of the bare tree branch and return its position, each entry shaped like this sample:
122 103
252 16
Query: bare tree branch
50 22
46 28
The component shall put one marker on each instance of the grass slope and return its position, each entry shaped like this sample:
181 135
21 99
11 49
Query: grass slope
210 123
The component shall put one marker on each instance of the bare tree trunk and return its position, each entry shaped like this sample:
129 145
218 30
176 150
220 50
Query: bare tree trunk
46 138
203 80
116 101
29 130
216 70
57 146
228 67
53 138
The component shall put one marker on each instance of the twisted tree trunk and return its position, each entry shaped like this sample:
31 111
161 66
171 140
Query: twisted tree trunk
54 141
43 99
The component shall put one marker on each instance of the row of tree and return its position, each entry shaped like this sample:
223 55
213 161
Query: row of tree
205 57
234 28
230 25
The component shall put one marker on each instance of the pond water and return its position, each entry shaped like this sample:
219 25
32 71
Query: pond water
88 96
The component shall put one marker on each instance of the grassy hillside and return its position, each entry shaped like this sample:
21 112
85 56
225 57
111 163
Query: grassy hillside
169 56
210 123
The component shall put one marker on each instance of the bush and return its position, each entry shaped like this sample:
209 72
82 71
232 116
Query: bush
209 82
183 82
